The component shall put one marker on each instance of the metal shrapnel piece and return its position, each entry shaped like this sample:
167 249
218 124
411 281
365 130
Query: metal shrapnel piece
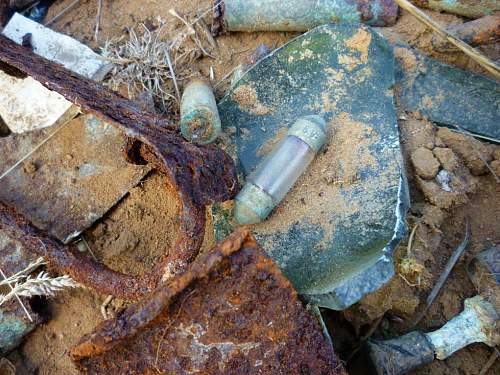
477 323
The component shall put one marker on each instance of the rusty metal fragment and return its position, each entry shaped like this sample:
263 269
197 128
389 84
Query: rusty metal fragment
299 15
82 268
484 30
232 312
465 8
72 181
202 175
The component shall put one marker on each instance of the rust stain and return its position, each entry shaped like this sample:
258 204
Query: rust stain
231 312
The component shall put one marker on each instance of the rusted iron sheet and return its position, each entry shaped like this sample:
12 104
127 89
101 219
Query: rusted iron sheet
202 175
72 181
232 312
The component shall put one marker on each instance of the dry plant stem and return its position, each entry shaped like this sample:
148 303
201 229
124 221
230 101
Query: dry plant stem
41 285
477 56
172 72
17 297
410 240
174 13
98 20
88 247
23 273
366 337
62 13
490 362
446 272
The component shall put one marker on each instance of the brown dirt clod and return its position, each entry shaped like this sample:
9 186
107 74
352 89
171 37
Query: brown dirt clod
424 162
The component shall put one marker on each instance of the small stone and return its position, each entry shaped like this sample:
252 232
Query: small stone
495 166
29 167
438 197
426 165
439 142
469 149
447 158
496 153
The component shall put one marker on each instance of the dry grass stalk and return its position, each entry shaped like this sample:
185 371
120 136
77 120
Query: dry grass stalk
23 273
41 285
156 61
473 53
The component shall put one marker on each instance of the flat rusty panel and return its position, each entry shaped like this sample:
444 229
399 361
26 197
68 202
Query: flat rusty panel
232 312
71 181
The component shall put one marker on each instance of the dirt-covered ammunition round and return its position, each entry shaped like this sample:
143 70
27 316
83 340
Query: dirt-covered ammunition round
276 175
200 122
299 15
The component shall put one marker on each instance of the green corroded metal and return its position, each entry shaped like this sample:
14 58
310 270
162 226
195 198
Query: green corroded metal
253 205
14 322
302 15
344 73
13 327
465 8
310 129
448 95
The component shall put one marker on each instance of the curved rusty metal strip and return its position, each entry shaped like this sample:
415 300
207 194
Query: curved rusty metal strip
204 173
68 260
201 175
110 333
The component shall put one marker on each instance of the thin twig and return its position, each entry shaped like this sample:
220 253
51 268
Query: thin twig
88 247
410 240
174 13
172 72
473 53
366 337
98 20
491 361
16 164
62 13
225 77
17 297
446 272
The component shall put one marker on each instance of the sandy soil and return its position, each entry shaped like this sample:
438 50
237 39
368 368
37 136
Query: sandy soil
132 236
